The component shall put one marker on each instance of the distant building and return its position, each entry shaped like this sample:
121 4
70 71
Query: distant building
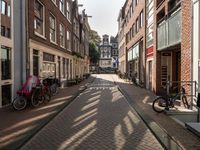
114 51
105 53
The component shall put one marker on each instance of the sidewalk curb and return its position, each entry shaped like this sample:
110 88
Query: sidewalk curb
44 122
168 142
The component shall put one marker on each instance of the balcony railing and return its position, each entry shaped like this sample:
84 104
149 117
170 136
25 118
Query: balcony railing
169 31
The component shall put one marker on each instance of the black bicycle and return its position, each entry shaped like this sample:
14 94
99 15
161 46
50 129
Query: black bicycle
162 103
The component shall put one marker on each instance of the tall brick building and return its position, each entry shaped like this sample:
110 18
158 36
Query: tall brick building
46 38
135 38
173 45
7 52
158 41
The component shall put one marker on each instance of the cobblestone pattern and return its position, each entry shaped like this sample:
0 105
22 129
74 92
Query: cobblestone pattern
97 119
144 99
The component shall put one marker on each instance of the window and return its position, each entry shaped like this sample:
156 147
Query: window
133 30
62 36
141 19
136 2
137 25
8 11
68 11
52 28
5 63
61 5
3 31
3 7
68 40
39 18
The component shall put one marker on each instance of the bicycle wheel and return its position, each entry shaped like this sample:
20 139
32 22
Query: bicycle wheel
159 104
47 96
19 103
36 97
185 102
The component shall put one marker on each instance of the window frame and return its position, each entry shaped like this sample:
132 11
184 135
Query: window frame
62 35
51 15
43 20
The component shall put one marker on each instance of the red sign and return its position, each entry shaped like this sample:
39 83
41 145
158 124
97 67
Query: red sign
149 51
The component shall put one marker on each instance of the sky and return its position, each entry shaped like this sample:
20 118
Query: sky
104 15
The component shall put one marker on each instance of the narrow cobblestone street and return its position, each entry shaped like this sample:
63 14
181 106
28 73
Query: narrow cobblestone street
100 118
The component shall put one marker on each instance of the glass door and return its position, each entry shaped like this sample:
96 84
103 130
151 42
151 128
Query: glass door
5 76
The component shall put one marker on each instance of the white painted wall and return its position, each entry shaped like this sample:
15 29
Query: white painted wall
196 41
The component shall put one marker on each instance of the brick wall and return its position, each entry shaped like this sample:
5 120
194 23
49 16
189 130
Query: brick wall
50 7
186 40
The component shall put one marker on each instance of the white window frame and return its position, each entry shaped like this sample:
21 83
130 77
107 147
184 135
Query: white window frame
51 15
68 11
36 33
68 39
3 12
62 6
63 34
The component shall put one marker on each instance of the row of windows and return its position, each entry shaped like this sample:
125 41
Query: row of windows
135 27
39 27
149 19
5 8
64 7
131 10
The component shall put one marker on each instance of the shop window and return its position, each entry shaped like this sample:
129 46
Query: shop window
5 63
39 18
6 94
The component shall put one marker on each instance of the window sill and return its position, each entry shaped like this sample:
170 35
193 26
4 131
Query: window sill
41 36
62 46
55 3
53 42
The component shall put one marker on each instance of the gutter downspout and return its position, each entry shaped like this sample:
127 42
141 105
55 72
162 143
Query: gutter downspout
191 107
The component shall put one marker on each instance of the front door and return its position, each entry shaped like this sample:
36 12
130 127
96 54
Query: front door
6 82
150 75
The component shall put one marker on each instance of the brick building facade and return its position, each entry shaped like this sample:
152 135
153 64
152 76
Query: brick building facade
7 52
159 50
49 38
135 38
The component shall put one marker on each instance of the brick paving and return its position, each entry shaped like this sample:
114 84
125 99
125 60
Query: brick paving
144 98
100 118
18 126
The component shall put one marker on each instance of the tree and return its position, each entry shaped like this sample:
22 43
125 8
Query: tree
94 37
94 54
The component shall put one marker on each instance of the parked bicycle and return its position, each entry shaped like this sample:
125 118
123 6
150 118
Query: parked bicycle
53 84
25 93
162 103
41 94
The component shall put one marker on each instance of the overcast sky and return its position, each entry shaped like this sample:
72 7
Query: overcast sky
104 14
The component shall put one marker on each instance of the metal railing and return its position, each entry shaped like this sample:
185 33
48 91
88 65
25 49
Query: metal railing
189 86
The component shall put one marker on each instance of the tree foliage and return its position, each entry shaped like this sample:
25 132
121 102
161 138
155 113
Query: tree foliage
94 37
94 53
